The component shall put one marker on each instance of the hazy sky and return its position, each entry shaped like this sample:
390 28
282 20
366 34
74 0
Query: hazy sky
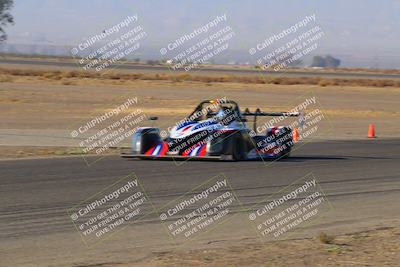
350 26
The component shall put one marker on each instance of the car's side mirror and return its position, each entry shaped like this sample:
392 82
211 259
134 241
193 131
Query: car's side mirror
244 120
153 118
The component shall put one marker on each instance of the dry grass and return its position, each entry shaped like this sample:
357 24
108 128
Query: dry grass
68 82
13 56
376 248
73 77
325 238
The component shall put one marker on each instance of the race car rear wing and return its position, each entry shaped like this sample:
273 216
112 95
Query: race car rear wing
258 112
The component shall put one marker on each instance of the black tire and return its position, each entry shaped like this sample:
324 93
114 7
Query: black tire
236 147
149 140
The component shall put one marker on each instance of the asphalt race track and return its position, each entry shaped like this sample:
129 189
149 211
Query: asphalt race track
360 179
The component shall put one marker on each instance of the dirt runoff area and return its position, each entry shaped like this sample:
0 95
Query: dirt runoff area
380 247
17 152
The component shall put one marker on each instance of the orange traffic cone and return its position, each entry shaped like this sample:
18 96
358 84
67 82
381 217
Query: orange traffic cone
371 131
295 135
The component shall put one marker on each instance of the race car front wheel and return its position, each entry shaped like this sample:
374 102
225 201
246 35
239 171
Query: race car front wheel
235 147
238 148
144 139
